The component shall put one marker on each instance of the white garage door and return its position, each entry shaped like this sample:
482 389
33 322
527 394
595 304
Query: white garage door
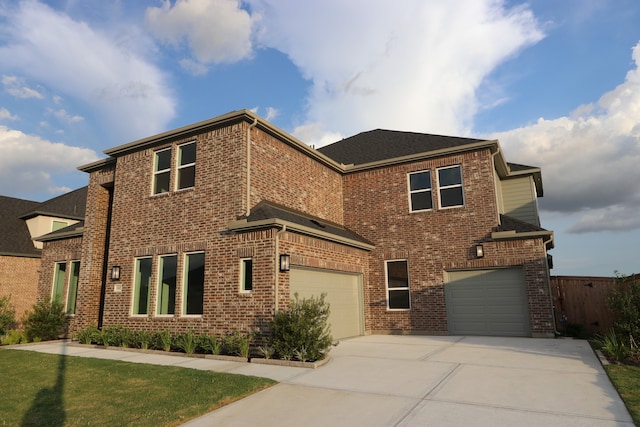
344 295
487 302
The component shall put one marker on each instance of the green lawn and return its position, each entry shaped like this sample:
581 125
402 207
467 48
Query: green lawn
626 379
51 390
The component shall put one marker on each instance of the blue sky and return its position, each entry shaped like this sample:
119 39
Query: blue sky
557 82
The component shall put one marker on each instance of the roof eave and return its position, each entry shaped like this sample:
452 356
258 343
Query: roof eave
61 235
97 165
244 225
491 144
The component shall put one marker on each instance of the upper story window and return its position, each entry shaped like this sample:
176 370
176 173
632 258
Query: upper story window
450 187
420 191
162 171
186 165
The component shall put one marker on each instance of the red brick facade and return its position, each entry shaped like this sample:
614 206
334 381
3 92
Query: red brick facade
19 281
122 211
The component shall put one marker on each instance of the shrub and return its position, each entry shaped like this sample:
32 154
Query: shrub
142 339
7 315
624 302
237 344
46 321
87 335
162 340
14 336
302 330
611 346
187 342
209 344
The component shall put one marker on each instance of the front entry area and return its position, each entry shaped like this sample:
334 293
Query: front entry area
487 302
344 294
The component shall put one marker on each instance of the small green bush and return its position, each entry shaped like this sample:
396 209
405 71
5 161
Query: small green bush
142 339
46 321
209 344
237 344
624 303
14 336
162 340
187 342
7 315
611 346
87 335
302 330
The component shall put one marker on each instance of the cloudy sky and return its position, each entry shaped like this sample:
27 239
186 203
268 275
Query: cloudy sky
557 82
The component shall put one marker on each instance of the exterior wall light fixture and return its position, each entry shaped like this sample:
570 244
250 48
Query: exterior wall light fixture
479 251
115 272
285 262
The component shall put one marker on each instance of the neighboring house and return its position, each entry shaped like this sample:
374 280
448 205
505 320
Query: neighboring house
216 225
21 222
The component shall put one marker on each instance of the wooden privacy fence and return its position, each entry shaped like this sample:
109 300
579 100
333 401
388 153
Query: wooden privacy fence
582 300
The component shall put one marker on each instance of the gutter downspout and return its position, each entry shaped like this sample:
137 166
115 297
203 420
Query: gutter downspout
493 160
251 126
553 308
277 263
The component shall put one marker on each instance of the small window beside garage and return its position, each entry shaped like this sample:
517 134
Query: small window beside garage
397 272
246 275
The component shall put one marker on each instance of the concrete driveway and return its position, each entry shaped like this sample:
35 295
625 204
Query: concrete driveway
436 381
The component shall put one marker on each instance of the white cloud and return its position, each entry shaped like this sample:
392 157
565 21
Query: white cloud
128 92
590 159
29 163
62 115
272 113
415 66
6 115
216 31
15 86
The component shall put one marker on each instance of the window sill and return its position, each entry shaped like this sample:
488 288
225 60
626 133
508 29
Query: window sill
398 309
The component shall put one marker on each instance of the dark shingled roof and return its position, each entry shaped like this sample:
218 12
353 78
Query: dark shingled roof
71 205
63 233
15 239
267 210
515 167
508 223
380 144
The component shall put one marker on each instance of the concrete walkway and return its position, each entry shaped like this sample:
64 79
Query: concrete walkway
417 381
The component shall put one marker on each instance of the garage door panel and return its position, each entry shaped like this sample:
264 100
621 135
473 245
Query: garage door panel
343 295
487 302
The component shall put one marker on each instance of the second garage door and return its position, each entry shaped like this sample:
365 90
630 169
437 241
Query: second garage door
344 294
487 302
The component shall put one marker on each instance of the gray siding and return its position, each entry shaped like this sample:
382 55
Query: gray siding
519 199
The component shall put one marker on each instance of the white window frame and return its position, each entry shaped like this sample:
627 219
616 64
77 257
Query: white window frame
183 284
386 283
158 283
440 188
179 167
410 192
69 277
150 307
242 275
161 171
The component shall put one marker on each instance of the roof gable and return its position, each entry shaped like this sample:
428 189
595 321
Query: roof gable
16 239
70 205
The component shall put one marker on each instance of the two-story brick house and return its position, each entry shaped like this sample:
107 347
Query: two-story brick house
215 226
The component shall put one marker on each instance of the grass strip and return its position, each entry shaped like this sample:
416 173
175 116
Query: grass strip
626 379
51 390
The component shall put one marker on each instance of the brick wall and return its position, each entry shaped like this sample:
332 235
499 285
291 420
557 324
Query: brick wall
377 207
19 280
